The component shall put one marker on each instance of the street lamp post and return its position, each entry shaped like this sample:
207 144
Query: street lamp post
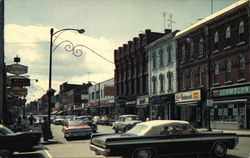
52 33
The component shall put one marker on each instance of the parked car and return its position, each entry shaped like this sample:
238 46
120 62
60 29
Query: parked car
89 120
76 128
162 137
18 142
125 122
58 121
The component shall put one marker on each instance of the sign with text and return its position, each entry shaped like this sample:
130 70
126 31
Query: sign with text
231 91
17 91
20 82
17 69
188 96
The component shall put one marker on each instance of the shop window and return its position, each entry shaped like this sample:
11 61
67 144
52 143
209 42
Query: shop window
228 36
216 40
228 70
183 53
201 47
216 73
242 67
241 31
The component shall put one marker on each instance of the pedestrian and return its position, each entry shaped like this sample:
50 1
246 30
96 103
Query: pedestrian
31 119
46 129
25 123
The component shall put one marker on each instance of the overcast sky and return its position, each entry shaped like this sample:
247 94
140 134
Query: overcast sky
108 24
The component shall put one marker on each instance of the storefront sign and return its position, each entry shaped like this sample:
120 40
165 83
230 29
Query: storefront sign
17 69
17 91
188 96
142 100
20 82
232 91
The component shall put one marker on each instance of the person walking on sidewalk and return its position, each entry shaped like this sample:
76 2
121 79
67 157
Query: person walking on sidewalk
46 129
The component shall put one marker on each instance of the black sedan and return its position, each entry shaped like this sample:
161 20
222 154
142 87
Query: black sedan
162 137
18 142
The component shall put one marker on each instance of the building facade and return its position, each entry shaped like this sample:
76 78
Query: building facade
131 75
162 76
213 69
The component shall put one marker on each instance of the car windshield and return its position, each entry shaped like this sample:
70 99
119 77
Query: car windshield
85 118
131 118
6 131
76 123
137 130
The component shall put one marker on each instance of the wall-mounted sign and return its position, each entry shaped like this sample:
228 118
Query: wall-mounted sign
142 100
188 96
20 82
17 91
231 91
17 69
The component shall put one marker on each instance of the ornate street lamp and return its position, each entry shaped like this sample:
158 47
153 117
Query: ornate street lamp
70 48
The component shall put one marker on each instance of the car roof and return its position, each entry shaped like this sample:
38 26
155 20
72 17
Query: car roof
163 122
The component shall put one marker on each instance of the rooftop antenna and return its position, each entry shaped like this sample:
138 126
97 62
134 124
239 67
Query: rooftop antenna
170 21
212 7
164 20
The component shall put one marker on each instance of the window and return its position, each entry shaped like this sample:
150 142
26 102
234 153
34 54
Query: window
192 79
161 78
216 40
201 47
161 57
169 54
229 70
228 35
154 84
93 95
201 76
241 31
183 53
170 80
192 48
184 81
242 67
154 60
216 73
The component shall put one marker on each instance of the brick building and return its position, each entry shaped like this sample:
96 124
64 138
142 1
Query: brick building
213 69
131 75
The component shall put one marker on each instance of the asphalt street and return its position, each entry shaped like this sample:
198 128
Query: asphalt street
79 148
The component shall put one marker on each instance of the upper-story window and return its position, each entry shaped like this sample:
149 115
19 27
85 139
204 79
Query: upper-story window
192 48
241 31
154 84
192 79
184 77
229 70
201 73
228 36
154 60
216 73
93 96
183 53
216 40
170 80
161 78
201 49
161 57
242 67
169 54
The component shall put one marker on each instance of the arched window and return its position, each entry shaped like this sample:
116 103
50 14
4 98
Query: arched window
242 67
184 77
192 79
170 80
161 57
228 70
169 54
161 78
228 36
183 55
201 46
192 48
216 73
241 31
216 40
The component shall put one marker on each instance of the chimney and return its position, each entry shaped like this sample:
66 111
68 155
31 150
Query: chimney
147 32
167 31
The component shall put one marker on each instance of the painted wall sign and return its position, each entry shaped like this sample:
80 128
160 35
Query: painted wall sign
188 96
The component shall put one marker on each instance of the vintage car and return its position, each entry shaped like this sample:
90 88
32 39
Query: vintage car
18 142
125 122
162 137
76 128
89 120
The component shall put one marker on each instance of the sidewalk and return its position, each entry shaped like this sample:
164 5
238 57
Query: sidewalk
241 133
50 141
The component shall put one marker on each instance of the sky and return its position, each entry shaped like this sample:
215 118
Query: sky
108 24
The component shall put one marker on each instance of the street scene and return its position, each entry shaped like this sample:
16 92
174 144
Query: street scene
125 79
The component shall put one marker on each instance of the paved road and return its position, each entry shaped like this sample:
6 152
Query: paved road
80 148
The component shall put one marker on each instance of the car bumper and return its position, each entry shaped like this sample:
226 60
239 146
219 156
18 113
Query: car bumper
99 151
78 134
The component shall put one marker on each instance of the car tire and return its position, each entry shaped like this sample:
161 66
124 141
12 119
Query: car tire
143 153
220 149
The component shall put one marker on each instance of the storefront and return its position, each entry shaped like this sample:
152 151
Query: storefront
189 107
231 108
162 107
142 105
